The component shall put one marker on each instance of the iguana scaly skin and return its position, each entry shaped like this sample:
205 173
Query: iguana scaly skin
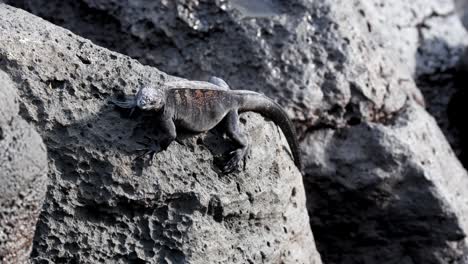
199 106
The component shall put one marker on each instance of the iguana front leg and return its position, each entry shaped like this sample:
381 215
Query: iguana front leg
235 133
168 133
168 129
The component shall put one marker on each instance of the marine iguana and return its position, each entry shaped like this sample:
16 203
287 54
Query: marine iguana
199 106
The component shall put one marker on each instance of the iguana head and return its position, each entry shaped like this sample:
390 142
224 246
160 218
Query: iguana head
149 99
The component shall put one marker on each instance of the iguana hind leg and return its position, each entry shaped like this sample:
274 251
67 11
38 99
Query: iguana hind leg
235 133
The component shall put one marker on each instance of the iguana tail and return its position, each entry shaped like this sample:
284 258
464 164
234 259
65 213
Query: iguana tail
252 101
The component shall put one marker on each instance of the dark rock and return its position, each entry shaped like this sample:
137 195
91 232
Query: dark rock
104 206
396 191
457 104
383 185
457 107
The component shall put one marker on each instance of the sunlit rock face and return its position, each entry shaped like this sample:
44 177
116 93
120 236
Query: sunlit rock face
23 178
105 205
359 79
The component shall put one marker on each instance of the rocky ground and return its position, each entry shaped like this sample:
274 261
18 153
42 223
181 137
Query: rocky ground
103 206
23 177
363 81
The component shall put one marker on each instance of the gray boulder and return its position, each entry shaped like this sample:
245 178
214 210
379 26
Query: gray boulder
429 39
23 178
396 189
382 183
103 206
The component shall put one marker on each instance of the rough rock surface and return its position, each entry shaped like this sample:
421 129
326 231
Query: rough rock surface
383 185
23 178
105 207
430 40
402 179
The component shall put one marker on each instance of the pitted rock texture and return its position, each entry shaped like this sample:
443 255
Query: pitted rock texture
105 207
303 56
346 71
429 39
23 178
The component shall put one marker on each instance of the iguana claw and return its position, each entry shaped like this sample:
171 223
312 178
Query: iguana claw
150 149
233 162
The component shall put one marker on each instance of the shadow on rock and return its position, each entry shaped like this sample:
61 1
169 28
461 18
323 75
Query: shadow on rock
442 81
